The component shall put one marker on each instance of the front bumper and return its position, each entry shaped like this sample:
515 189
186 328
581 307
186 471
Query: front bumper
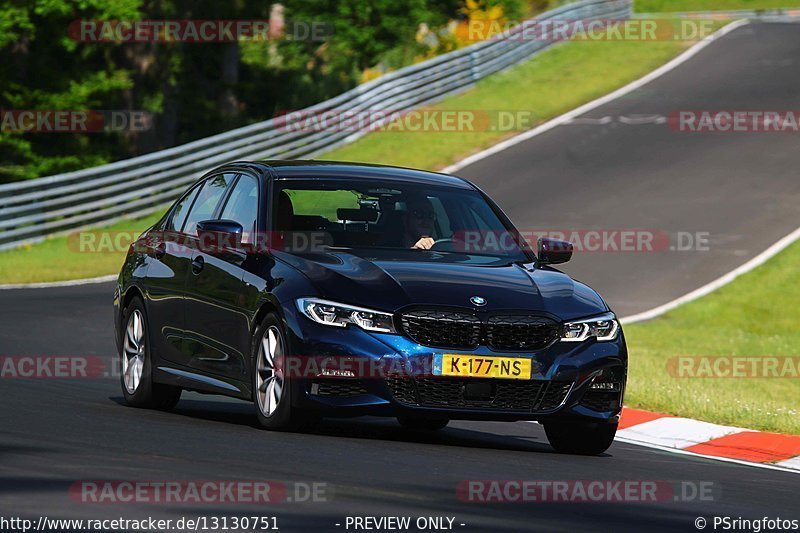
558 389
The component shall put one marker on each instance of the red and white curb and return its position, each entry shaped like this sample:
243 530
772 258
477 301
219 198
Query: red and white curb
693 437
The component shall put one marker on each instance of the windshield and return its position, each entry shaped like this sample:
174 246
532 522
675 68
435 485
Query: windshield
398 221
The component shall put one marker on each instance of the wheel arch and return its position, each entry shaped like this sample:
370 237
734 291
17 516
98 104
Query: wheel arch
125 300
132 292
270 304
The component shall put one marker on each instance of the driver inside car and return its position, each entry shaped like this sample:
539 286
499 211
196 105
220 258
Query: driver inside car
419 222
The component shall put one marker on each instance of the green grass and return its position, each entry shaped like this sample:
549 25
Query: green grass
556 81
662 6
756 315
61 258
323 203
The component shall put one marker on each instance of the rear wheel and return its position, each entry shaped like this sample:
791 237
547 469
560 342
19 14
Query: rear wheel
272 386
422 423
580 438
136 360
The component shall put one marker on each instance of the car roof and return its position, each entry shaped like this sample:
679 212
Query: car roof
310 169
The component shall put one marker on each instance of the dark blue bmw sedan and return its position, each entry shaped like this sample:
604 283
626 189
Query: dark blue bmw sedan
335 289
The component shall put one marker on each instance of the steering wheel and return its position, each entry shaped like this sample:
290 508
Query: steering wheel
446 245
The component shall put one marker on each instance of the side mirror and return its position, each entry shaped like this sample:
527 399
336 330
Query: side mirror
554 251
217 235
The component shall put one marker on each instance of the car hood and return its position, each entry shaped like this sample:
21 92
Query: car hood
389 285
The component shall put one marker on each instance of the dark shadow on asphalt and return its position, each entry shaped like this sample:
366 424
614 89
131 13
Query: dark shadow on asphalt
236 413
13 485
372 428
10 449
389 429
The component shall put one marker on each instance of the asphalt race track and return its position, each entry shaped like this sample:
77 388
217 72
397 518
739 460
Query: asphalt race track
741 188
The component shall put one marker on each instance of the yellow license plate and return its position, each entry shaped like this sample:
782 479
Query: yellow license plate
482 366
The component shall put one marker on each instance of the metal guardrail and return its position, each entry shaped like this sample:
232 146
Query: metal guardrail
778 14
34 209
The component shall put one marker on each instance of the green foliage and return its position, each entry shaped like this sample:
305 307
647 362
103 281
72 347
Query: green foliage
362 30
565 77
193 90
44 69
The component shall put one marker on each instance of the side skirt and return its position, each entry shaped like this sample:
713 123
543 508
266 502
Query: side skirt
193 381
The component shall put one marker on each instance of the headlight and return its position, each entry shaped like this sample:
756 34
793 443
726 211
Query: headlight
336 314
604 328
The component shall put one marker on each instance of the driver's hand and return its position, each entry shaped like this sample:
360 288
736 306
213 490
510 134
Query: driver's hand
424 243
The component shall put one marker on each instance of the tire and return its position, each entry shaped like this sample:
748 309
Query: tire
588 438
416 423
272 389
136 362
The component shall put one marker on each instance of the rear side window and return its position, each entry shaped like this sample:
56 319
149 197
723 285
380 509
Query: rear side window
208 199
181 209
242 206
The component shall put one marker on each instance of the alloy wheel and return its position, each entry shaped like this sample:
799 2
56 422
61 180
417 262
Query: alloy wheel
133 352
269 371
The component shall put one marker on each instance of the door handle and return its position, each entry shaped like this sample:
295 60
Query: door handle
197 264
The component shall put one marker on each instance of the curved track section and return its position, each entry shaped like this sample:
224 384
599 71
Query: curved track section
620 167
742 189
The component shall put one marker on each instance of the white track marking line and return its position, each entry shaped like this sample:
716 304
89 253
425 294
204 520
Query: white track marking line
565 118
70 283
547 126
572 115
756 261
791 465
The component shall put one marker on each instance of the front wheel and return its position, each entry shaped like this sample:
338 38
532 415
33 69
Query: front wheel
580 438
272 384
137 364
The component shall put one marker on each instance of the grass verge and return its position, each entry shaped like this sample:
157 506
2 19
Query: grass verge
551 84
755 316
554 82
60 258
